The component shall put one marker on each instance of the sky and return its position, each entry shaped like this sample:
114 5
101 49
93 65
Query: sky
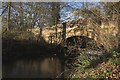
66 12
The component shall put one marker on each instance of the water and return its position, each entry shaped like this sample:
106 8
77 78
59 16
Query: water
43 67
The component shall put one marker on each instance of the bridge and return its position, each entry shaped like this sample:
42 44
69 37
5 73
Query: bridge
73 28
80 27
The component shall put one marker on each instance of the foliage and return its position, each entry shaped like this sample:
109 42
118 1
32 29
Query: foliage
23 15
99 14
109 69
18 35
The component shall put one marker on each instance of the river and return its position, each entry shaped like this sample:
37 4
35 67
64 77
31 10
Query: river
43 67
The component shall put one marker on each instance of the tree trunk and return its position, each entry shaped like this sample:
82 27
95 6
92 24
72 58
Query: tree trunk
21 16
119 31
40 34
56 33
8 18
55 13
64 34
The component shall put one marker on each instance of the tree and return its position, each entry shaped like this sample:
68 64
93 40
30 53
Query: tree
55 14
99 13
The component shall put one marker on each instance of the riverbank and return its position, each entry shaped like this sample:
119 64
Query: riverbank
18 49
94 66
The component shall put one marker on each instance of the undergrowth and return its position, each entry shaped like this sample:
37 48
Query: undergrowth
103 66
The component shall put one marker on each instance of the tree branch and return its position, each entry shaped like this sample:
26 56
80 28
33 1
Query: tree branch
4 10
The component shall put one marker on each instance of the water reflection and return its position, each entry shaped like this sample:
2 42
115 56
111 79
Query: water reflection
44 67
